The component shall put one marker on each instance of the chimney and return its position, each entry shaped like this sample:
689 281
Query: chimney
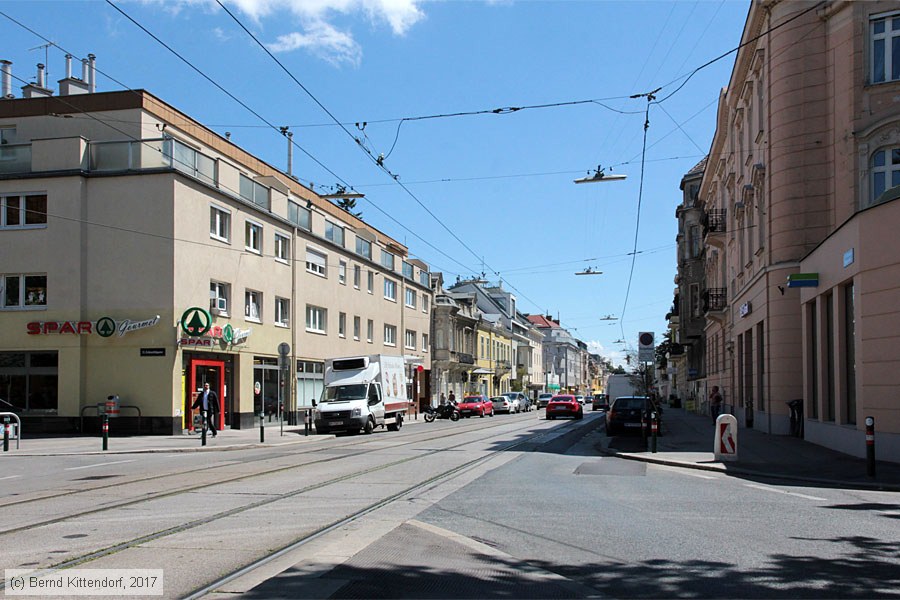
72 85
93 81
85 71
40 76
37 89
68 66
6 69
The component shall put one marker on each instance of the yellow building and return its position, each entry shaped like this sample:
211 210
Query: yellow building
493 363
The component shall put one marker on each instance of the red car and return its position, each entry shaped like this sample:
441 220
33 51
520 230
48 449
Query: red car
476 405
564 406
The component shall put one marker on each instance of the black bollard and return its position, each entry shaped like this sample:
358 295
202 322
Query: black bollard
870 446
6 434
306 419
262 428
654 427
203 429
105 431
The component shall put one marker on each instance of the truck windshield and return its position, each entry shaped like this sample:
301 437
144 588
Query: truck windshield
340 393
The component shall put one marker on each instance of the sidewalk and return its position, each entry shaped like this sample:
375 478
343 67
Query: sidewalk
688 442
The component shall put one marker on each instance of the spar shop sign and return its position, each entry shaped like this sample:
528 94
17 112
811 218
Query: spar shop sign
104 327
198 331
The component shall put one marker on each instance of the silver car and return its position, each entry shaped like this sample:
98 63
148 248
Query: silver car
520 400
502 404
543 399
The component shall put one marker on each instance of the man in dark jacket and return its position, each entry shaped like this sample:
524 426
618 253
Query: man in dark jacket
208 402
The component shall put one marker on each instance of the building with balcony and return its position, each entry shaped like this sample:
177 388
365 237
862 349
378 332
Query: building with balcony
454 337
805 170
145 265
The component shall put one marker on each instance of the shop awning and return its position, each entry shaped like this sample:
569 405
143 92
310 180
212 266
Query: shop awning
483 372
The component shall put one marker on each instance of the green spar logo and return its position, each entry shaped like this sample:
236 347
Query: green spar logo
106 327
195 321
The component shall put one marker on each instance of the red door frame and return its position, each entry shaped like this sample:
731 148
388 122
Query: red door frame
197 362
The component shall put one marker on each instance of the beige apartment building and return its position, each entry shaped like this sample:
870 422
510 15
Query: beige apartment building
143 255
802 259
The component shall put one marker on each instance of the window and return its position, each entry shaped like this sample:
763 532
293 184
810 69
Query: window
371 282
316 262
410 339
364 248
357 325
316 318
23 211
282 248
387 260
342 324
390 289
253 305
282 312
219 224
219 294
334 233
254 192
7 136
29 380
885 48
370 330
253 237
424 342
424 279
23 291
357 272
299 215
411 298
390 335
342 272
424 303
885 171
407 270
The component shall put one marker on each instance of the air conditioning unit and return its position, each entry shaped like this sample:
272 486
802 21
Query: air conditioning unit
218 305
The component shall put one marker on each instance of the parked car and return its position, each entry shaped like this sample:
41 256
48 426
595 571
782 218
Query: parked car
564 406
523 404
627 413
476 405
580 399
502 404
543 399
600 402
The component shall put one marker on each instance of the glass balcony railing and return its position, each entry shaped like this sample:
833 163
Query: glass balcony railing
15 158
158 153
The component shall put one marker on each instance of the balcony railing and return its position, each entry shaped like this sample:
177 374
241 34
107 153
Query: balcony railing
714 221
714 299
160 153
463 358
15 158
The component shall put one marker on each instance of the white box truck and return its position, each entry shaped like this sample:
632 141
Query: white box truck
362 393
620 385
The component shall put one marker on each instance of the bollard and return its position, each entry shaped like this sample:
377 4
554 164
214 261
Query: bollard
6 434
870 446
105 431
654 428
262 428
306 422
203 430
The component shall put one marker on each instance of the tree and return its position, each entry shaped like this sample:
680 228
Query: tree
349 204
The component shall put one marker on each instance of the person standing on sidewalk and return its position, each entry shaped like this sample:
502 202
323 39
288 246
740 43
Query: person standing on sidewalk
208 402
715 402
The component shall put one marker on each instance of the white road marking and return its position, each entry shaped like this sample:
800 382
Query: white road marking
118 462
698 476
771 489
9 477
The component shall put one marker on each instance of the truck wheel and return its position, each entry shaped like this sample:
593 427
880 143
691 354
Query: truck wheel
370 426
399 422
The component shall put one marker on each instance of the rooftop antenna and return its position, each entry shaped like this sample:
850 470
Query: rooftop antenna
46 48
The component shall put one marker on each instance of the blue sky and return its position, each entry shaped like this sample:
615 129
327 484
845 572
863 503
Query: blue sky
488 192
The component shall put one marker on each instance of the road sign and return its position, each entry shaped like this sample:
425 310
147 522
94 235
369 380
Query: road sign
646 347
284 348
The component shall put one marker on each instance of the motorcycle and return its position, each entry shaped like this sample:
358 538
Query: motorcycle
444 411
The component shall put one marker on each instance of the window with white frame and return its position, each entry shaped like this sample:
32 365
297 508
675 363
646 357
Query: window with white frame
219 296
19 291
411 297
316 262
424 342
885 171
364 248
334 233
371 282
387 260
316 318
390 335
357 274
282 312
219 224
282 248
357 325
25 211
342 324
884 48
370 330
342 272
253 237
253 305
390 289
410 339
407 270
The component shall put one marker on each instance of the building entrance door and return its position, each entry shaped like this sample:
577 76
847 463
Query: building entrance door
213 373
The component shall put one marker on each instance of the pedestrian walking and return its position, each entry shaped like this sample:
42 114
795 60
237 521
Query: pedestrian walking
208 402
715 402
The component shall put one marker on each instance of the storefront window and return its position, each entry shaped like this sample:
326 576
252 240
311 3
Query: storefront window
29 381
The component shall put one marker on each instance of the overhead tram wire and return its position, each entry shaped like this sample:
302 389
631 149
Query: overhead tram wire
278 129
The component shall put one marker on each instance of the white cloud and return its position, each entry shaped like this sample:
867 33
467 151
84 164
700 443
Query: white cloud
322 40
616 357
